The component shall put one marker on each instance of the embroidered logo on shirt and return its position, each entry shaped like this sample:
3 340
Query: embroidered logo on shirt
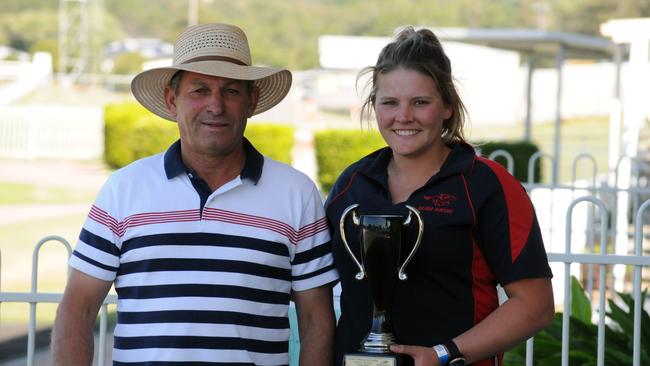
439 203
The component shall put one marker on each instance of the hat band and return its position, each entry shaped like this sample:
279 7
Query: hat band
214 58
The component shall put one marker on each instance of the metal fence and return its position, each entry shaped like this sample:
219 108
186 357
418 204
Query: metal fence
589 219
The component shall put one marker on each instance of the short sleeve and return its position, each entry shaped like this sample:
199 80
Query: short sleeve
97 251
313 264
508 231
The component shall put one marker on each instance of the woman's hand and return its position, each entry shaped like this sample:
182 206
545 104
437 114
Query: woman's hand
422 356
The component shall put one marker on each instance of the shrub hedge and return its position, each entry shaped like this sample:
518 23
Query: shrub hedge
131 132
272 140
336 149
521 152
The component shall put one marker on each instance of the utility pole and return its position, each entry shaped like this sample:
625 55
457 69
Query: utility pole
74 40
192 12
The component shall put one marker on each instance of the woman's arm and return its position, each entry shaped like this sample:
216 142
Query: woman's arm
529 308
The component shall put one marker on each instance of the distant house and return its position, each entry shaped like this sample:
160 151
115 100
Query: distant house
10 52
152 49
342 57
491 81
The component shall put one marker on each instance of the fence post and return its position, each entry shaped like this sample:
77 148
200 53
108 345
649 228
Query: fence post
638 301
567 282
31 335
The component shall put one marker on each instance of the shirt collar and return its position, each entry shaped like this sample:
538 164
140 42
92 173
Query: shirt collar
252 170
460 160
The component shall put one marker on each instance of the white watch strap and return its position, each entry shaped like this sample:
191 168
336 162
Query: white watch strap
443 354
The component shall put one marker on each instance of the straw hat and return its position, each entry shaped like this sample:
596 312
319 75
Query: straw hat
217 50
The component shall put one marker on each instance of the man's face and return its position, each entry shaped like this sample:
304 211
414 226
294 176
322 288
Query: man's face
211 112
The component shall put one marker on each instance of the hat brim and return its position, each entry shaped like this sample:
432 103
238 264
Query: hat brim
148 87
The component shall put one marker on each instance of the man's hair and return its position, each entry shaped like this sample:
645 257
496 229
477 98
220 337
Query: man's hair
175 82
420 51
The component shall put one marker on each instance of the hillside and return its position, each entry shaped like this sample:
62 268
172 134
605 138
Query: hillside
285 33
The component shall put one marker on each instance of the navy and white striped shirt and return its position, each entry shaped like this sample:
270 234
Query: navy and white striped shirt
205 277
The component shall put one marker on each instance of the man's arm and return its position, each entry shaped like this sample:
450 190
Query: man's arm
316 323
72 337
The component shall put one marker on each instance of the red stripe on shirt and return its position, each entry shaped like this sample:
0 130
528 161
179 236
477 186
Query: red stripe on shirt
484 292
520 209
483 286
152 218
347 186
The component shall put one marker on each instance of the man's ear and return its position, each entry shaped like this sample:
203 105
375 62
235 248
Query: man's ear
170 100
255 97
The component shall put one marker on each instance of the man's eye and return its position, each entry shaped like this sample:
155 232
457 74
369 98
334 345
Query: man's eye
231 91
201 91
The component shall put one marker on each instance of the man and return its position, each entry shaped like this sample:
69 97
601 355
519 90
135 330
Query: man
207 243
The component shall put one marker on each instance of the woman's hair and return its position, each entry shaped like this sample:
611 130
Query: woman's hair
420 51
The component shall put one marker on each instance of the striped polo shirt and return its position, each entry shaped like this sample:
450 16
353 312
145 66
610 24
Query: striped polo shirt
205 277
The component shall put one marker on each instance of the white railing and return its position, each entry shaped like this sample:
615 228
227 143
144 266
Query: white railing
562 256
51 132
24 76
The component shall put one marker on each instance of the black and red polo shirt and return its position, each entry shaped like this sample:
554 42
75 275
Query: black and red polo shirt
480 230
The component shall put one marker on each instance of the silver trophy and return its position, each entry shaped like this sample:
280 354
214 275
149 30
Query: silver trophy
381 245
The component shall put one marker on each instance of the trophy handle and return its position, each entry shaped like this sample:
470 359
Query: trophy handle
355 219
401 275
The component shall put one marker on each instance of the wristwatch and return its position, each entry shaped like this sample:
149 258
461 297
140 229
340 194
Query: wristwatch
455 357
458 361
448 354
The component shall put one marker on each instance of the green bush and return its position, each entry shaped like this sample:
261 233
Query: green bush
547 345
521 153
336 149
131 132
128 63
272 140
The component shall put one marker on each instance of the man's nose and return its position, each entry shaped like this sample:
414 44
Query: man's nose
215 103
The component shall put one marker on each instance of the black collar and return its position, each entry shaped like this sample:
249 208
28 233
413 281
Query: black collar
460 160
252 166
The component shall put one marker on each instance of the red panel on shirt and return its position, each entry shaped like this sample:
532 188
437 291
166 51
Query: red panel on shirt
520 209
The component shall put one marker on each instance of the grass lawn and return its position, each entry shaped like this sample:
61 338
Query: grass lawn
17 243
577 136
24 193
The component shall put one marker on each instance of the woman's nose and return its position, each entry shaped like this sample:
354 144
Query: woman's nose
404 114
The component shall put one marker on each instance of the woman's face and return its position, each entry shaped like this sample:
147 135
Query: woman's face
410 112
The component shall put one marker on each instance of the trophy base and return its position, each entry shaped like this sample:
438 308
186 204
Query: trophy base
373 359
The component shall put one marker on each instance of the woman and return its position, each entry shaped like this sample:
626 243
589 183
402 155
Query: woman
480 229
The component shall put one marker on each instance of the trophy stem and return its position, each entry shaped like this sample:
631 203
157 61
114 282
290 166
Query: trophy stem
380 337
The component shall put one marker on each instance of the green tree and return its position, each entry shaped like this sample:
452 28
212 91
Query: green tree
285 33
128 63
